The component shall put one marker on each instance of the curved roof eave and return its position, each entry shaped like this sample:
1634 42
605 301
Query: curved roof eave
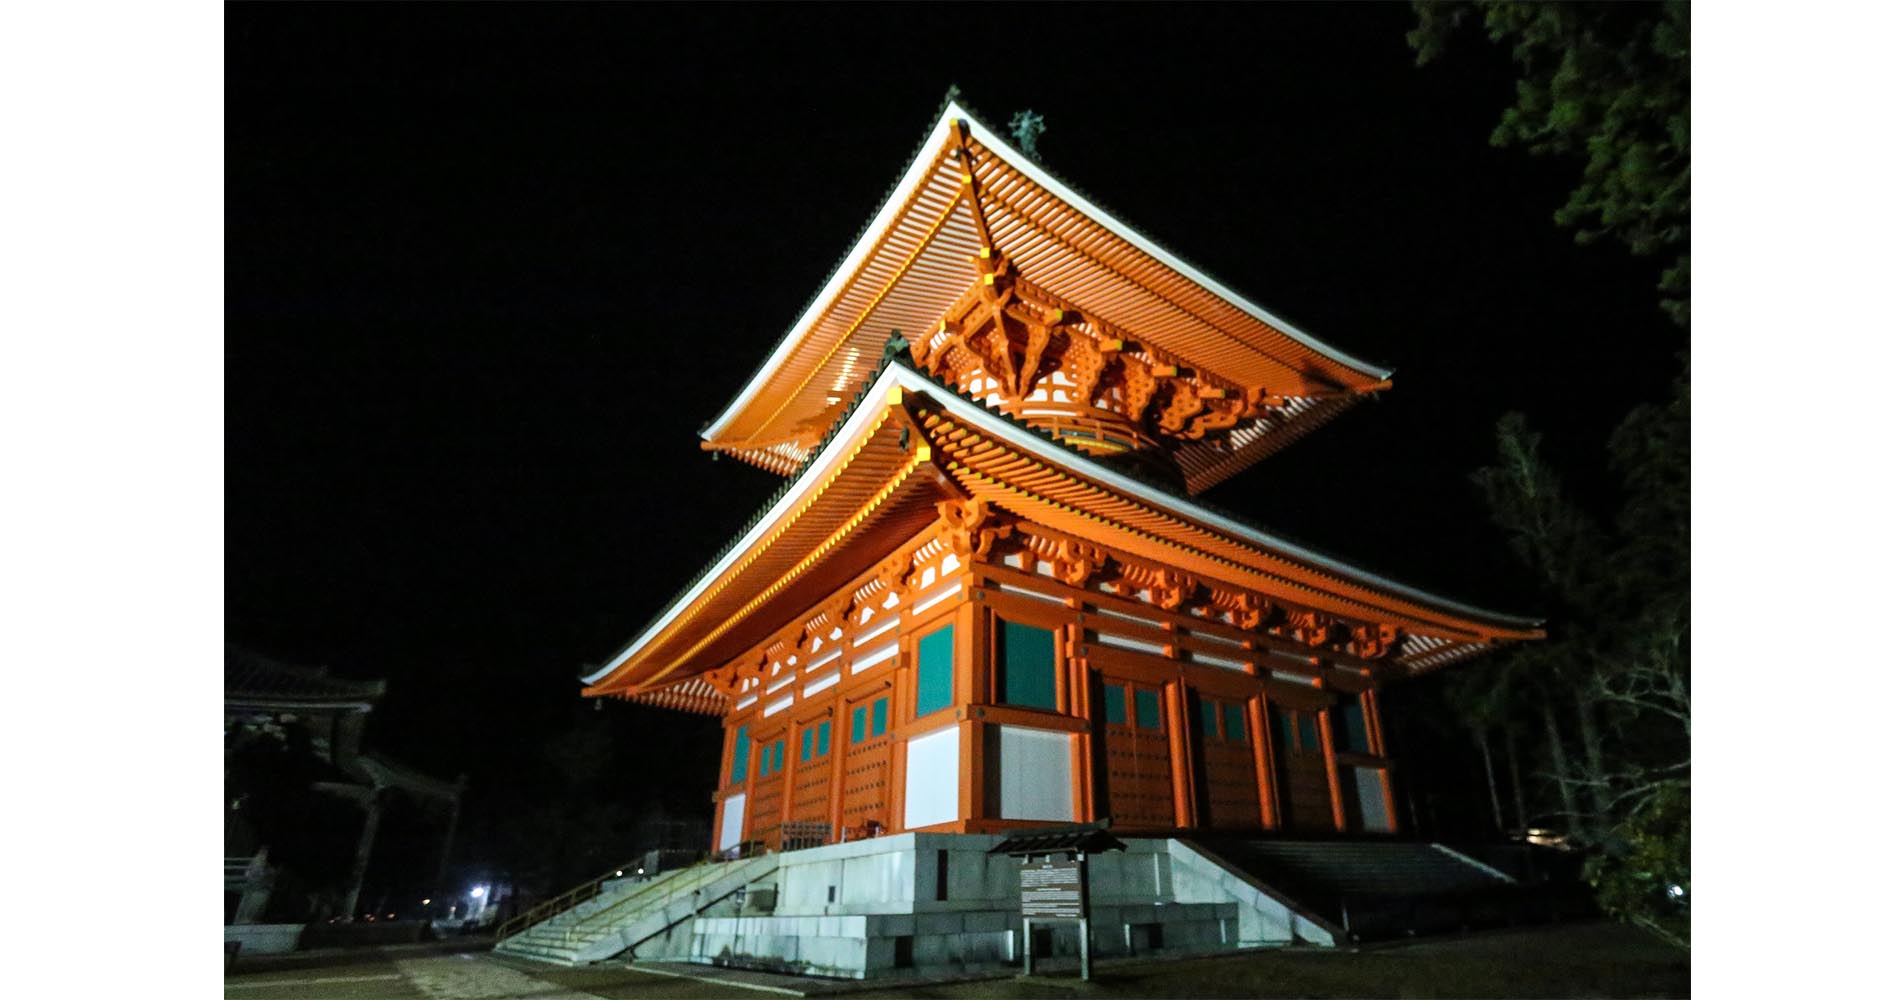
920 164
870 402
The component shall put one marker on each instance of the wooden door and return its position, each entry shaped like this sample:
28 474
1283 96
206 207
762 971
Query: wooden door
1139 772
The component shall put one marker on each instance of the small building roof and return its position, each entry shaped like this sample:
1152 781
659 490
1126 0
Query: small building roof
1088 838
255 681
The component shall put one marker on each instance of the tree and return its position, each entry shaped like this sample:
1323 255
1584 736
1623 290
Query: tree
1616 664
1607 82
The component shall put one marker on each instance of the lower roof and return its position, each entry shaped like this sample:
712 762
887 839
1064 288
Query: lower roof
869 470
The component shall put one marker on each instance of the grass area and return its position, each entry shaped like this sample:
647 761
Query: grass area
1573 960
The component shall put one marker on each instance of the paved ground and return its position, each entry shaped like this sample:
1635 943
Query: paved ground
1581 960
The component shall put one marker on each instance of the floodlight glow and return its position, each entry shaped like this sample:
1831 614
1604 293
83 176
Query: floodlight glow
617 873
478 892
1675 892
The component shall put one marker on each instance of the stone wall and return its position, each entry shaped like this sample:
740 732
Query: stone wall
871 907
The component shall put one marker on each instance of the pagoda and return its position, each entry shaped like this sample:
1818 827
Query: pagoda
986 596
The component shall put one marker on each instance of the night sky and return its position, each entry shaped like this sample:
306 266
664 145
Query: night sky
490 268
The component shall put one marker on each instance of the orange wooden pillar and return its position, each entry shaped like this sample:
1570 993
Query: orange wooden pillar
1180 749
1258 718
1332 768
840 748
1081 704
972 686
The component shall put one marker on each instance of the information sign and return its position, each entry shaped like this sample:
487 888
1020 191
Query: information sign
1053 889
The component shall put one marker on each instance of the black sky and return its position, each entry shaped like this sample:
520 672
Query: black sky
490 268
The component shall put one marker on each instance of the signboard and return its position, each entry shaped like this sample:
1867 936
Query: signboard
1053 889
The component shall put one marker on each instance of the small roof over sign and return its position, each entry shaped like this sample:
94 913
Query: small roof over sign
1089 838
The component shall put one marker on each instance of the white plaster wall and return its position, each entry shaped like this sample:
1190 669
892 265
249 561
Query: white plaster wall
1371 799
931 772
1035 774
731 820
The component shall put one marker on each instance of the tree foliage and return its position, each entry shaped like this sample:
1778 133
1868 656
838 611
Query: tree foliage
1607 82
1609 689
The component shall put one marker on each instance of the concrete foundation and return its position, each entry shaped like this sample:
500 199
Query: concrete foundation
924 900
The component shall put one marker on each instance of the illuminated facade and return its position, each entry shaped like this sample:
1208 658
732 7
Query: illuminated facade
986 597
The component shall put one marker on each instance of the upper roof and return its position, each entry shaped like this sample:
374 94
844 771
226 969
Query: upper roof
912 262
872 478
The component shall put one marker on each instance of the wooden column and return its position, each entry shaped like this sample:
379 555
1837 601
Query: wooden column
1081 704
897 751
1180 748
1332 768
972 689
1258 718
840 745
1375 736
786 791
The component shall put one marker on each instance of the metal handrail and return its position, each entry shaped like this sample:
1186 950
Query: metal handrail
565 901
675 887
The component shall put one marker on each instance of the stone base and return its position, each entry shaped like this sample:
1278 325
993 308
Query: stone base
939 901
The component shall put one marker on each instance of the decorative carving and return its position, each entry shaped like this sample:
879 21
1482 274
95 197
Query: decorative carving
1086 364
1183 403
1075 561
1249 609
1312 627
1372 642
894 573
1217 418
1037 341
972 527
1171 588
1138 386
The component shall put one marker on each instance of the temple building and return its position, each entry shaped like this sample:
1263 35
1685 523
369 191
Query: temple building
987 598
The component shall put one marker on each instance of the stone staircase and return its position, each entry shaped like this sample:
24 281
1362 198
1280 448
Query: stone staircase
1378 889
629 917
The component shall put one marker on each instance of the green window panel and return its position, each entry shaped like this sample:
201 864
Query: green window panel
1283 728
804 746
1352 718
857 724
778 756
741 755
1027 665
1115 704
880 712
1210 719
1309 732
824 737
1147 710
1234 722
935 670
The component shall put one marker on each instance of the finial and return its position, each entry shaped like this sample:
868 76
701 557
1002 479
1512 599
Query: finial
1025 127
896 346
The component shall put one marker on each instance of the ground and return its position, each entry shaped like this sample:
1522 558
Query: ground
1577 960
